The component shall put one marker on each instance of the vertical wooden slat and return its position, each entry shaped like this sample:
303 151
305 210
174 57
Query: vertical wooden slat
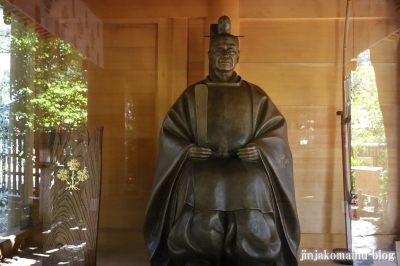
179 56
164 87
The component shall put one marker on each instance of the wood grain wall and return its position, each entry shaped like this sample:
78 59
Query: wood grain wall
122 97
292 49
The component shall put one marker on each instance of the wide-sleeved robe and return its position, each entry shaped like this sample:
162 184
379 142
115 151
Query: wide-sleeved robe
239 114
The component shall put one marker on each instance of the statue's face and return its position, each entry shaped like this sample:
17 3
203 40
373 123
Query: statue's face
224 55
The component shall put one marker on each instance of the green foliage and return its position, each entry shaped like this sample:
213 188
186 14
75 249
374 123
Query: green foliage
48 85
57 93
366 114
367 128
62 102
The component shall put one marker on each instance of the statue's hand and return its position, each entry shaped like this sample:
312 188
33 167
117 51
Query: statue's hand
249 154
198 153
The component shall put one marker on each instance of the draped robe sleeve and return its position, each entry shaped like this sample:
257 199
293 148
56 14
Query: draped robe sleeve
178 134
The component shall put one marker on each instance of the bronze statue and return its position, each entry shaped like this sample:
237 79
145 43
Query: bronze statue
223 192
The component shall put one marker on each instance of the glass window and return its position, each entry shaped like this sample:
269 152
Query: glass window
43 86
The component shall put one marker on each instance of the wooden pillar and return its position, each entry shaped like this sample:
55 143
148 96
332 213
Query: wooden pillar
216 9
164 71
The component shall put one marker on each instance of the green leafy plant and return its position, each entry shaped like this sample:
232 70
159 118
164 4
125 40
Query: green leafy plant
368 136
56 94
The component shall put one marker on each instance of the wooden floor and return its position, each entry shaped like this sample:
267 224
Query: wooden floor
121 248
127 248
112 252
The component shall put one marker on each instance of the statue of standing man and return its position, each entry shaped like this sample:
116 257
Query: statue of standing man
223 190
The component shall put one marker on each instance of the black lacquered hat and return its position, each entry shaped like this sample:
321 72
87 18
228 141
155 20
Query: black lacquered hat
222 29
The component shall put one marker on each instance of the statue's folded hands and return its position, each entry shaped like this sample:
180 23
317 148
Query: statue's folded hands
199 153
249 154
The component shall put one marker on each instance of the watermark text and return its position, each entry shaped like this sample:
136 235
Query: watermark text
318 255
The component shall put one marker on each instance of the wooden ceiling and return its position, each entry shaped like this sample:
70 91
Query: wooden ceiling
139 9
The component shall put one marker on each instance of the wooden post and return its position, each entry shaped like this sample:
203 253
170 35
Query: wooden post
71 215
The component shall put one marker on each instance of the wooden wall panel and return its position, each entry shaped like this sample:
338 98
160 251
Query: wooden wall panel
317 166
122 36
297 62
315 125
140 59
387 74
172 64
196 50
289 40
322 241
298 84
164 71
315 8
179 56
369 32
122 99
292 8
386 51
125 9
374 9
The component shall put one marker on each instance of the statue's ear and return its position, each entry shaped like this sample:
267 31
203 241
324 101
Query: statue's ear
238 56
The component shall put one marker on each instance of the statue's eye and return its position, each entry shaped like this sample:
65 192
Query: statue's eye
219 51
